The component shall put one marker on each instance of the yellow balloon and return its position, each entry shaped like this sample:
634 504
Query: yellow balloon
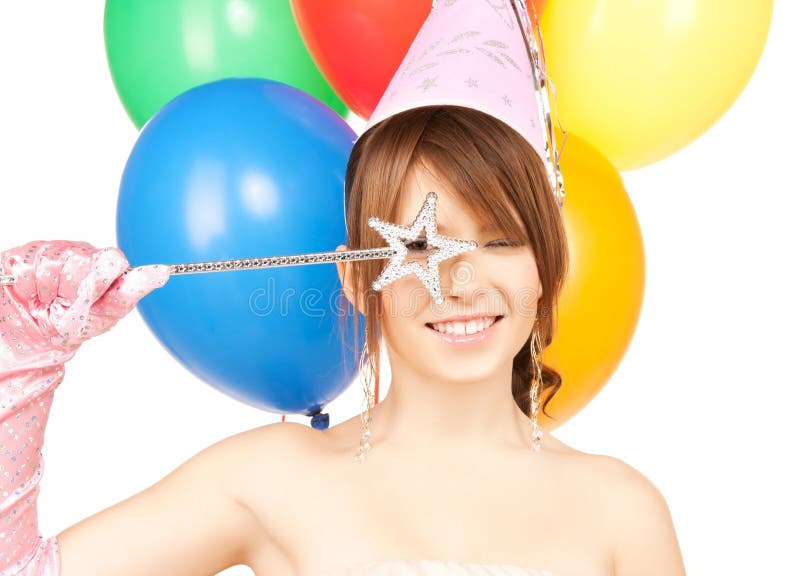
600 303
640 80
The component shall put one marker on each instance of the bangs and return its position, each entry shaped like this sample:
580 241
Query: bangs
472 181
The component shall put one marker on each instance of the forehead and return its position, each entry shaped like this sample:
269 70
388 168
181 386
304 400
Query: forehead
453 216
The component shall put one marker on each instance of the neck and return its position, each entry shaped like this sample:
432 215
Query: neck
423 412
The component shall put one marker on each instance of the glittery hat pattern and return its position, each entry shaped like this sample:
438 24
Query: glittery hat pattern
480 54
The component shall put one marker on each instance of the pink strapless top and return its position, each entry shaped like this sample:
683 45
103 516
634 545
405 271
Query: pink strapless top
435 568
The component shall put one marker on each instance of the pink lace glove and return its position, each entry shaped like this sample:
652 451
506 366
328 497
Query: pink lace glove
65 293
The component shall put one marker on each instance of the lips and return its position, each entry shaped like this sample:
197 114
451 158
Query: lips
462 338
464 325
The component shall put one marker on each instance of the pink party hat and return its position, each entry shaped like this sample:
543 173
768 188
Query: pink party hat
480 54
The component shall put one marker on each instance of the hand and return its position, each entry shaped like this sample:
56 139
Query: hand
65 293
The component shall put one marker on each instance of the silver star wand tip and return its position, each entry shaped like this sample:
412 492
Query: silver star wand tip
445 248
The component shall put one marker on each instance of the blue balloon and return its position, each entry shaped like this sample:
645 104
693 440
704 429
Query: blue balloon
245 168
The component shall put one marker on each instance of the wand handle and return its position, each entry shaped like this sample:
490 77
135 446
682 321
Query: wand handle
266 262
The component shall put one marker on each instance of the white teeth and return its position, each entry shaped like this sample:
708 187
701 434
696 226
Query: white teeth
464 328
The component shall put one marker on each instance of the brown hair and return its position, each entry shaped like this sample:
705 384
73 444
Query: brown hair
497 173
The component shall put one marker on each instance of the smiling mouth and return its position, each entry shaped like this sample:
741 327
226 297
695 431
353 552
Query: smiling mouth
464 328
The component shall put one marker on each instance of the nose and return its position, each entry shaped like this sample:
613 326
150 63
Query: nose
459 277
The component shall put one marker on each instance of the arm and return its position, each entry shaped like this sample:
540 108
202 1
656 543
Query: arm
65 293
645 541
191 522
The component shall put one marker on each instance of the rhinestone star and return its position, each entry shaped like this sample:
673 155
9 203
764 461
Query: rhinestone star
428 83
445 248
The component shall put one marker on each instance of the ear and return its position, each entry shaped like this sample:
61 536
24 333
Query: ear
346 278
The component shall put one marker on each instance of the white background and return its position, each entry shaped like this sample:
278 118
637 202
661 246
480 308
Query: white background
705 402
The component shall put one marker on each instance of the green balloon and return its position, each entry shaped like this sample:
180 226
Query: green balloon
158 49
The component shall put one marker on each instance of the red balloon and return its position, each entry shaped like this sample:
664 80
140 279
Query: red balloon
358 45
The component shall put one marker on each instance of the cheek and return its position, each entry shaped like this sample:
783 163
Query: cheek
401 307
518 280
404 299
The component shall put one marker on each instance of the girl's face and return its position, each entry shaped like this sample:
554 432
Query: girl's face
497 285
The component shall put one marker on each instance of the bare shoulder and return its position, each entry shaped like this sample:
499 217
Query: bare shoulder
275 468
639 520
634 513
613 477
279 439
280 436
204 518
261 461
628 489
625 478
275 447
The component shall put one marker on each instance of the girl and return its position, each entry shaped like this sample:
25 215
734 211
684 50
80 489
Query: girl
453 474
451 484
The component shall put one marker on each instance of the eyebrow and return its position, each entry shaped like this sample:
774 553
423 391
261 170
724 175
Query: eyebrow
444 229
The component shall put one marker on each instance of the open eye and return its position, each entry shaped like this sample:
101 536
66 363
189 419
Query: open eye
420 244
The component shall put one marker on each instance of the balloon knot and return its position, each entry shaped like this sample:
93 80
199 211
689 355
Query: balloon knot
320 421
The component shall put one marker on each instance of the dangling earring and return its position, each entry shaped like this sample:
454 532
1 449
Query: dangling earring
369 399
536 388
